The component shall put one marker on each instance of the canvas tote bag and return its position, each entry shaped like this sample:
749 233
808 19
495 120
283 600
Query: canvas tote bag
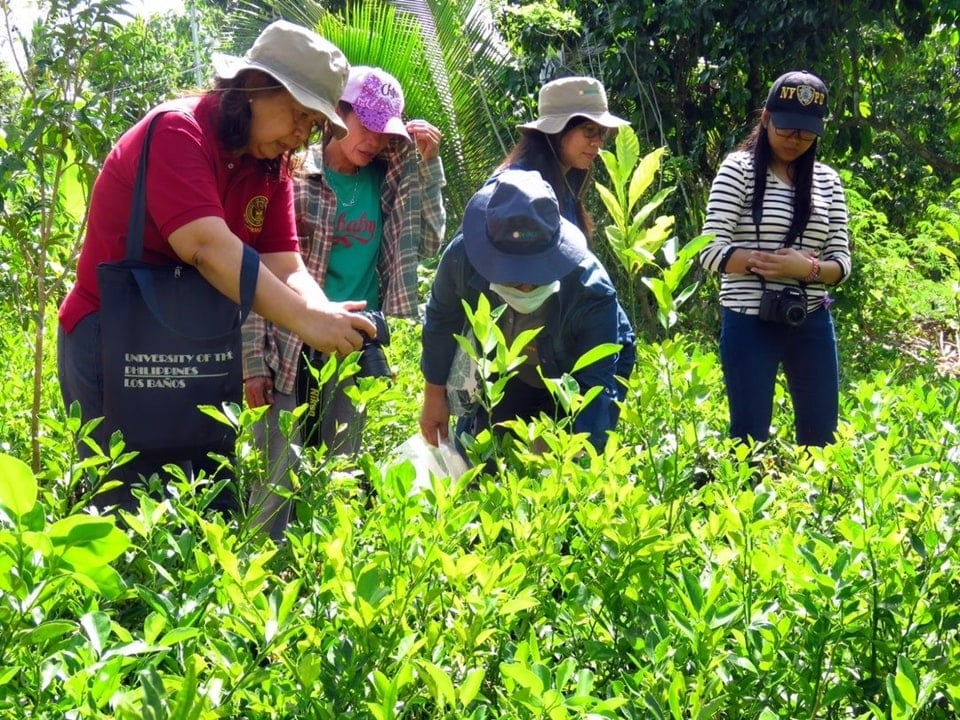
170 343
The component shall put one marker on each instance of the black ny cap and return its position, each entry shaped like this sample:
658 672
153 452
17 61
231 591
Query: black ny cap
798 101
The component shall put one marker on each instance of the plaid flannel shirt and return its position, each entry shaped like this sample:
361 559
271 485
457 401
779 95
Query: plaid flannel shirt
414 221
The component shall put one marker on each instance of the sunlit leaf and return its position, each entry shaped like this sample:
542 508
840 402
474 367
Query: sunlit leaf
470 686
523 676
84 541
595 354
96 626
441 685
907 683
18 486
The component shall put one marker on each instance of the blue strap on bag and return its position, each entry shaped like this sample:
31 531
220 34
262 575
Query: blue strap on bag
170 343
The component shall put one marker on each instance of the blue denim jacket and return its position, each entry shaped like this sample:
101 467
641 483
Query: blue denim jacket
586 314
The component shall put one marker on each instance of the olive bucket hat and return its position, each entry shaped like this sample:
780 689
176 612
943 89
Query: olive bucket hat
311 68
569 97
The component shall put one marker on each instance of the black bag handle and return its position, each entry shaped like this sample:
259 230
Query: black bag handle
250 265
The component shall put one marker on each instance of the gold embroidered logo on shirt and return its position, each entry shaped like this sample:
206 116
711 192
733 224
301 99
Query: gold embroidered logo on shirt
253 215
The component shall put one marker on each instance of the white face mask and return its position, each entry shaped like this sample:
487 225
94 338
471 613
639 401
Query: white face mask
525 302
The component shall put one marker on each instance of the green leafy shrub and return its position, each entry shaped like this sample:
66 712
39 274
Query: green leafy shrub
674 575
897 292
642 242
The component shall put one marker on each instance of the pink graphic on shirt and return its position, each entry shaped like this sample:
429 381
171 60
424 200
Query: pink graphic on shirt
356 231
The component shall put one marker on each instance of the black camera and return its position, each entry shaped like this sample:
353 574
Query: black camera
787 305
373 361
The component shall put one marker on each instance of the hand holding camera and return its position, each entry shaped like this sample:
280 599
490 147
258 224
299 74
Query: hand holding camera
373 361
787 305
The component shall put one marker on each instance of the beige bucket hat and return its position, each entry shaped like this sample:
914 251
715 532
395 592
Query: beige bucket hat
311 68
570 97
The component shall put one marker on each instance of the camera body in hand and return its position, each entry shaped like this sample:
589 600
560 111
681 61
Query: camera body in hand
373 361
787 305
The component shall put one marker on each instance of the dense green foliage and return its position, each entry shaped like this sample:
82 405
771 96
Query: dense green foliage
692 76
676 576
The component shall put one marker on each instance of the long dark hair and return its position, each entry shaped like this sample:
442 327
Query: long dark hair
801 172
235 118
540 151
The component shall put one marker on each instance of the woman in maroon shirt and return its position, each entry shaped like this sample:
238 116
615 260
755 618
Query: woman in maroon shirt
218 177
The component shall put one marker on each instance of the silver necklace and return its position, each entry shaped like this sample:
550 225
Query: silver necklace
353 194
330 162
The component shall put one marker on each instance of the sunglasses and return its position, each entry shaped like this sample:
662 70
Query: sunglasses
592 131
805 135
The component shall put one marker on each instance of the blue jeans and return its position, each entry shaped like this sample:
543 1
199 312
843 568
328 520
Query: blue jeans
751 352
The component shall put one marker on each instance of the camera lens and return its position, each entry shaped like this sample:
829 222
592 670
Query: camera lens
795 314
380 322
373 361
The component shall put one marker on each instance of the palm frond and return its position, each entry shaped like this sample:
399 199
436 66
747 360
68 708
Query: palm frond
474 61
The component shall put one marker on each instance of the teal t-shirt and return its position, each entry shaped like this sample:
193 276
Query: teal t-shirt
352 270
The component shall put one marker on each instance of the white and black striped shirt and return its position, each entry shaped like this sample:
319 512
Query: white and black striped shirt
730 220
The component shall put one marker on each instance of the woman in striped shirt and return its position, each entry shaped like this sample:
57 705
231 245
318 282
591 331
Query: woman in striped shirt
779 220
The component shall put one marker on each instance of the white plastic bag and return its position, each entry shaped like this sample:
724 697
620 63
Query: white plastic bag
442 461
463 386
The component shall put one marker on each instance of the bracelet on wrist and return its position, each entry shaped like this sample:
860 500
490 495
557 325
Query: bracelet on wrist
814 271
